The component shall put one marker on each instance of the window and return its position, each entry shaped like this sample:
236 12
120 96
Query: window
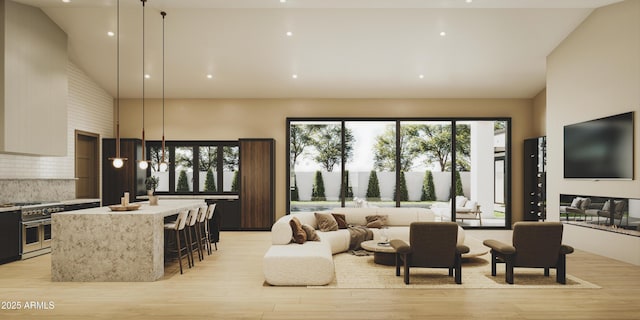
183 172
401 162
208 169
370 163
316 165
195 167
230 165
155 155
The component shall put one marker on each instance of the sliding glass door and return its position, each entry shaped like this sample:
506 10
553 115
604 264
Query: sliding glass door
459 168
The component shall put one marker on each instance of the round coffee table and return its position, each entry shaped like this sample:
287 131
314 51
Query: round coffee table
383 253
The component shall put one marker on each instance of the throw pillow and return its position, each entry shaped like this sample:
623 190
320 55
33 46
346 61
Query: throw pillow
376 221
326 222
576 202
299 235
311 233
341 220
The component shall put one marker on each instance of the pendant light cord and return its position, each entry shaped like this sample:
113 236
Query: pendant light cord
163 15
143 80
118 79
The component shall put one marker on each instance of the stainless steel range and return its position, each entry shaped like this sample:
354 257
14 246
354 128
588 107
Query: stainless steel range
36 227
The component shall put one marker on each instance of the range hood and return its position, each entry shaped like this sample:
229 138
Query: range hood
34 85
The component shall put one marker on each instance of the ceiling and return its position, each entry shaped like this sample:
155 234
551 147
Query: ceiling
338 48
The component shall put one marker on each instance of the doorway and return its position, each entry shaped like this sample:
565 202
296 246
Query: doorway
87 165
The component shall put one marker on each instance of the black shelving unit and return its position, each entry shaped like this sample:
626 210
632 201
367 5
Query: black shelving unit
535 195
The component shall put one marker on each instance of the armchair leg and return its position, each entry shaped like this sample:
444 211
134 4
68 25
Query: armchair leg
406 269
493 263
546 271
509 272
458 269
561 270
397 264
450 272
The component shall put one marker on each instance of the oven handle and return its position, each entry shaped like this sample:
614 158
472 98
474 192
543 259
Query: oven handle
35 222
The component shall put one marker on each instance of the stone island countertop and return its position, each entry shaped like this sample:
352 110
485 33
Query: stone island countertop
98 244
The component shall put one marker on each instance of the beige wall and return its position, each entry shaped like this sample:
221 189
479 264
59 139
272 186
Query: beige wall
595 72
539 114
197 119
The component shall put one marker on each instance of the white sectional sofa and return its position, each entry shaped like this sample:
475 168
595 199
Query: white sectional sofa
311 263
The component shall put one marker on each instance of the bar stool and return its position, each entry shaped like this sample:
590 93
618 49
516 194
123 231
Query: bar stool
176 227
207 227
201 232
191 229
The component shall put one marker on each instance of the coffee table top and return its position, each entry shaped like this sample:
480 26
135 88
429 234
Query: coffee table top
377 246
476 247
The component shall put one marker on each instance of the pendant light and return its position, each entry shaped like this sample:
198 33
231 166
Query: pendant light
143 164
118 161
164 164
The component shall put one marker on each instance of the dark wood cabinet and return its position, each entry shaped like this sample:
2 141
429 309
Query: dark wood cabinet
535 175
10 236
227 215
257 184
129 178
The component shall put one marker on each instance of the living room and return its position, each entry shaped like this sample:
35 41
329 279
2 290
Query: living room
594 72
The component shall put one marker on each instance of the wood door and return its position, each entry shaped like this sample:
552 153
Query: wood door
86 162
257 183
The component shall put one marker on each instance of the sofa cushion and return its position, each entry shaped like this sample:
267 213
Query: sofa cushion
311 233
460 201
308 264
326 222
338 240
376 221
341 220
299 235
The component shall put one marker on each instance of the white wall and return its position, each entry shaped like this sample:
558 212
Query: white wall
595 72
359 181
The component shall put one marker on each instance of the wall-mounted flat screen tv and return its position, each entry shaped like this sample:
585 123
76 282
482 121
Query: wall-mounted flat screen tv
600 148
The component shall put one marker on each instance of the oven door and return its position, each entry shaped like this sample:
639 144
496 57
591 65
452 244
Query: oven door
45 235
31 236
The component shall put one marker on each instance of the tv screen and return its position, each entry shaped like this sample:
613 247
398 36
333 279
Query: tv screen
600 148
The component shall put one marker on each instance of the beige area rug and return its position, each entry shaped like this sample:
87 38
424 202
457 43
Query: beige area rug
360 272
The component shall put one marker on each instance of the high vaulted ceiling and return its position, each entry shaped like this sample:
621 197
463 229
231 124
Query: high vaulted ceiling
337 48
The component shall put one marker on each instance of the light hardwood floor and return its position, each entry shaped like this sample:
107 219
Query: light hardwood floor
229 285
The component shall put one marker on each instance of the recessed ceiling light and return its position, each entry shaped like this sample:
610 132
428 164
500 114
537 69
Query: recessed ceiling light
421 76
468 1
110 33
209 76
289 33
66 1
295 76
442 33
146 76
283 1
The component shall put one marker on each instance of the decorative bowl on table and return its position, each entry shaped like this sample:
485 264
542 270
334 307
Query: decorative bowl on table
129 207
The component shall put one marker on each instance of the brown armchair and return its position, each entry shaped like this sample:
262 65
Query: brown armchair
432 245
535 245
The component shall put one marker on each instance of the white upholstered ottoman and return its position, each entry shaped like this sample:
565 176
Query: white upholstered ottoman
310 263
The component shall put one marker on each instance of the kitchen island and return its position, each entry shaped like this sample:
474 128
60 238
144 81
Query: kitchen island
98 244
